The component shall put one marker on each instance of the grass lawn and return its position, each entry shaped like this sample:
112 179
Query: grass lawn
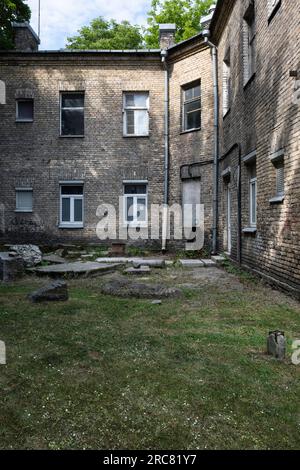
107 373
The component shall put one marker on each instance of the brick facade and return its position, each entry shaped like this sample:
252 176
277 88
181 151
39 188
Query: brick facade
260 128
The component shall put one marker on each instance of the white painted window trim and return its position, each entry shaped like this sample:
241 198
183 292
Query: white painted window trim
136 108
19 119
253 186
226 91
135 222
72 197
24 210
272 4
61 109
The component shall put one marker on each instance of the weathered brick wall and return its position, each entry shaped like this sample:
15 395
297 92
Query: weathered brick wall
33 154
264 116
187 65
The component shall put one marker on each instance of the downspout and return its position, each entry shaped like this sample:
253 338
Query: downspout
216 141
164 54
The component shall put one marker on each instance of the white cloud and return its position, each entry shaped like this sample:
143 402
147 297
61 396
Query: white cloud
63 18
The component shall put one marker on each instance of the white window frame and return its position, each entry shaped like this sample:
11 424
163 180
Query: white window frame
272 4
135 222
61 109
184 88
20 119
136 108
226 86
72 197
24 209
253 187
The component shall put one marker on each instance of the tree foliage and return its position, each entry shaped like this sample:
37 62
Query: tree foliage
186 14
102 34
11 10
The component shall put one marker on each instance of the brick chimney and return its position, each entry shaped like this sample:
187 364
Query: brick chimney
26 40
167 35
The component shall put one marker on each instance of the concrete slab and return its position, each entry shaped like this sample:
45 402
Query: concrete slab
54 259
191 263
219 259
208 263
138 271
77 268
152 262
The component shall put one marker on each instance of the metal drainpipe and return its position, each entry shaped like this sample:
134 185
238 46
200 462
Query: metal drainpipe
216 144
164 54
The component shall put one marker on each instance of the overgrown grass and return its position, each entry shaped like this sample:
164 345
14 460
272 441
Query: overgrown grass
108 373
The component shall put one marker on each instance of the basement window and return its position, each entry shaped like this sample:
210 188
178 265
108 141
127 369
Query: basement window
72 114
71 206
191 106
24 110
24 200
135 204
136 114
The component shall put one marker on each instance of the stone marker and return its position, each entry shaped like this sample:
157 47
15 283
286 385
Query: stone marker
55 292
276 344
153 263
54 259
11 267
219 259
31 254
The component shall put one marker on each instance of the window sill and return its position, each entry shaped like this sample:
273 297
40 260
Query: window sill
274 11
197 129
276 200
135 136
249 230
227 113
24 120
71 136
250 80
24 211
71 226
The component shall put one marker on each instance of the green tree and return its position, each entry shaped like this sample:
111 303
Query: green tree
11 10
186 14
102 34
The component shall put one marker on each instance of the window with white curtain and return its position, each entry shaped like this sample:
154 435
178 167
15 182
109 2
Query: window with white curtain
71 205
24 199
136 114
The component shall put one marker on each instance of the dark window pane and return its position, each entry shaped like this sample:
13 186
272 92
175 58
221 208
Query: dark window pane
135 189
72 122
77 210
130 122
193 120
192 106
66 212
25 110
72 100
129 209
72 190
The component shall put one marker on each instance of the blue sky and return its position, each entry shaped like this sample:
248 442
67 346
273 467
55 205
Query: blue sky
62 18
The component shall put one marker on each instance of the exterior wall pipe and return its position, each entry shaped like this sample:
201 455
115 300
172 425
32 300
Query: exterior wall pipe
216 144
164 54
